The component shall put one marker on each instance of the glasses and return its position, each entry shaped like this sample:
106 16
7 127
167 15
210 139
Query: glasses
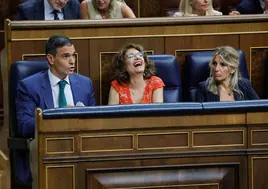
137 55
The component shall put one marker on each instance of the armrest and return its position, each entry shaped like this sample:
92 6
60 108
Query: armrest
19 143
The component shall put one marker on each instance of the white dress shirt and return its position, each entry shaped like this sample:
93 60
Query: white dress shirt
54 80
48 12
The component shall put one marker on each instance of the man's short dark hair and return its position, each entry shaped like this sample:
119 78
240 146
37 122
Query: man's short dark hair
56 41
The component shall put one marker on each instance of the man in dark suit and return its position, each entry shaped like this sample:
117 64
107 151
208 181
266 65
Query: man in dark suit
250 7
43 89
57 87
49 10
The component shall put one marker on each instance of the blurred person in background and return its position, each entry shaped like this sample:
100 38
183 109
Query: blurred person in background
49 10
105 9
251 7
196 8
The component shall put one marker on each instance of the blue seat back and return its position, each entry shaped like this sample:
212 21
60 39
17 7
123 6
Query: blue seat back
19 152
18 71
197 70
168 70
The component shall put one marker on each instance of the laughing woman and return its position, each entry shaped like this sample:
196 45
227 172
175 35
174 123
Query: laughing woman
134 78
225 82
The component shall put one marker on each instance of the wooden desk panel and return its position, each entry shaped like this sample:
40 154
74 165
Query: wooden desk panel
155 152
145 153
257 141
104 124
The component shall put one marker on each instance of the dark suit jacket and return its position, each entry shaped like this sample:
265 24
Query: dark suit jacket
35 91
249 7
34 10
204 95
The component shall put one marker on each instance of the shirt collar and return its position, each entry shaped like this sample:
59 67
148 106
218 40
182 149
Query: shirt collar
54 80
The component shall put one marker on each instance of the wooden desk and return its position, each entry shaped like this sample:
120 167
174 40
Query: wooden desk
204 151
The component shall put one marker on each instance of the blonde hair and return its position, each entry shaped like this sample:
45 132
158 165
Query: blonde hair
230 57
186 8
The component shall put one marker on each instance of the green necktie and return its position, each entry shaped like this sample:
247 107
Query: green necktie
62 98
56 16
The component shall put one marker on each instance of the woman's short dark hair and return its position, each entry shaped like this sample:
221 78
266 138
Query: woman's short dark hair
118 70
56 41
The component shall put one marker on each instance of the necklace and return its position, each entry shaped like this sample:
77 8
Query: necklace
103 16
228 91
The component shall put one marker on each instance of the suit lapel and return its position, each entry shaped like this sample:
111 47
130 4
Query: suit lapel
67 10
47 91
39 11
75 86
